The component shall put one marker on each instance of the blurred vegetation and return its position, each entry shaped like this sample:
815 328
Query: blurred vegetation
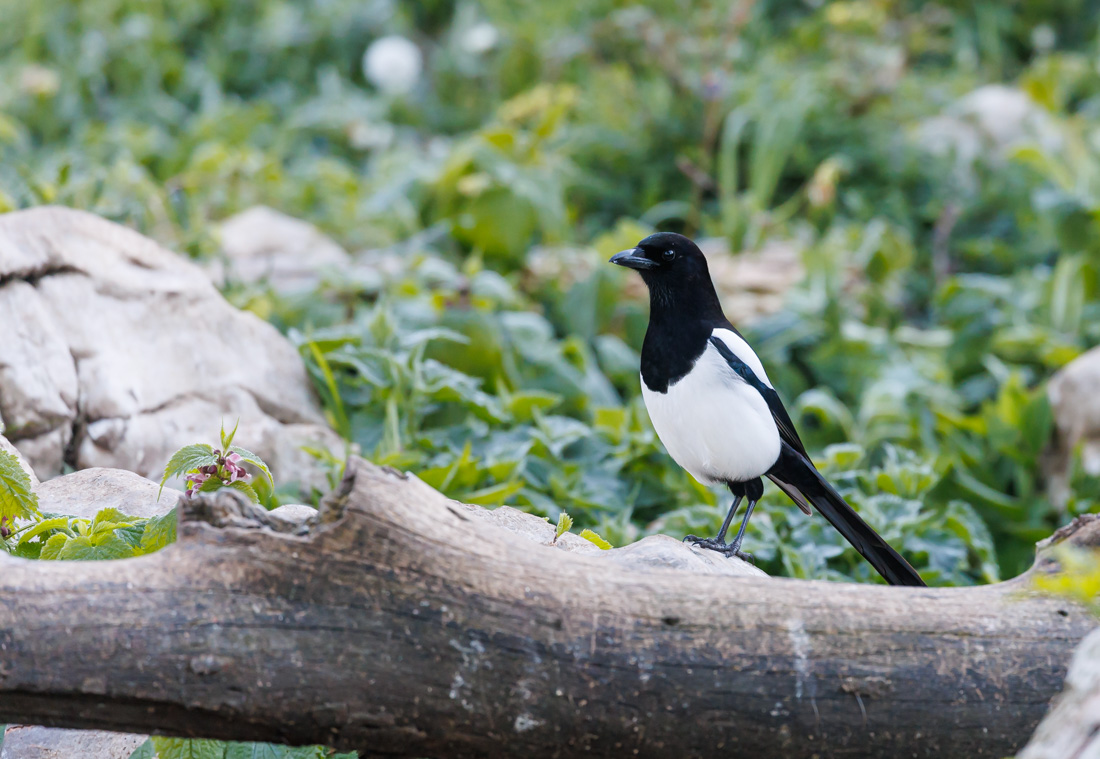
936 167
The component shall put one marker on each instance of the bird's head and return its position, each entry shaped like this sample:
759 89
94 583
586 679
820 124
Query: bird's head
672 266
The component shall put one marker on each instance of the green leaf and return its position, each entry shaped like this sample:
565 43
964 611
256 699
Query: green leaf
332 390
132 534
272 751
494 495
592 537
54 546
211 484
57 523
188 748
255 460
16 497
185 459
228 441
89 548
565 522
28 551
112 516
145 751
245 488
159 532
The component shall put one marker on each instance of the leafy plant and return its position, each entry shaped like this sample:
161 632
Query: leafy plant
208 468
565 523
593 537
17 499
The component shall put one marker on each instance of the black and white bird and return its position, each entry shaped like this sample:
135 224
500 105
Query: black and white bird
717 413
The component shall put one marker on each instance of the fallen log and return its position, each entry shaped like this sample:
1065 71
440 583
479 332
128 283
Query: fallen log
405 624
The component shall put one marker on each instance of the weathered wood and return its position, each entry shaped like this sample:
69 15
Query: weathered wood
403 625
1072 728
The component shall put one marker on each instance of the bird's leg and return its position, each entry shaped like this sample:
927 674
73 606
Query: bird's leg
718 542
734 548
721 536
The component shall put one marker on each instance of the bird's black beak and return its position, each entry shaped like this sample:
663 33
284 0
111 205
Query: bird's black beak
632 259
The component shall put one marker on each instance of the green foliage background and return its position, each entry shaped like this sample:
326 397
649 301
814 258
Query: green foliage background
483 343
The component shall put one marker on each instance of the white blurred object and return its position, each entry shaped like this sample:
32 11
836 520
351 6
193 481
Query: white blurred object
987 125
393 64
263 245
39 81
480 38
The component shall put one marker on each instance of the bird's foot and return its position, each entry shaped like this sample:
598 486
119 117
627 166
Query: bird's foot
726 549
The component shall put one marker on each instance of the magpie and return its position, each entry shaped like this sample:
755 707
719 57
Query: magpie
717 413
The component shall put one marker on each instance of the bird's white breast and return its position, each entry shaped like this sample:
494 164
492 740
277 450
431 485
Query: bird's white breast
713 423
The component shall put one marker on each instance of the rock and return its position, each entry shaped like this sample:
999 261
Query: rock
122 352
987 125
31 742
1076 408
754 283
654 553
290 255
1072 728
83 493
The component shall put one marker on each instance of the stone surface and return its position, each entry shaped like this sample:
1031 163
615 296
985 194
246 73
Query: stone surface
985 126
123 352
1076 406
1072 728
290 255
31 742
755 283
83 493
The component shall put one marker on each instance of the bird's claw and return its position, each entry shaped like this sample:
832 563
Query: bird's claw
726 549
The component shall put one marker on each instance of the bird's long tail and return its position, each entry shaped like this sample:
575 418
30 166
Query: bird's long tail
798 478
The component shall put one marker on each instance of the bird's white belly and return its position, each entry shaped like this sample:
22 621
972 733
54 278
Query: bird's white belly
714 424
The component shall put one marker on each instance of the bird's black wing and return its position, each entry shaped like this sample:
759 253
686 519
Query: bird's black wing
796 475
787 432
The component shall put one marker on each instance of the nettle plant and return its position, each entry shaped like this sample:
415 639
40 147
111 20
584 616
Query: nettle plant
207 468
17 499
29 533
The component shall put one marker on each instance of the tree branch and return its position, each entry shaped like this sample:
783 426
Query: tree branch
404 624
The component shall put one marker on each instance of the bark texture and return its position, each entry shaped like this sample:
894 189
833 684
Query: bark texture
1072 729
404 624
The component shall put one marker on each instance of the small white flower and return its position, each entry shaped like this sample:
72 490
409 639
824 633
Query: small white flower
364 135
480 38
39 81
1043 38
393 64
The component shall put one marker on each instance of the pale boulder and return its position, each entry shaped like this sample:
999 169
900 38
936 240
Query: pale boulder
264 245
1076 407
123 352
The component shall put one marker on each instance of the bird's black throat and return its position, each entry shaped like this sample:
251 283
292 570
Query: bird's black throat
682 314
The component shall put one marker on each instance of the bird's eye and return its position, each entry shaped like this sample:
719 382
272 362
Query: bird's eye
668 255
